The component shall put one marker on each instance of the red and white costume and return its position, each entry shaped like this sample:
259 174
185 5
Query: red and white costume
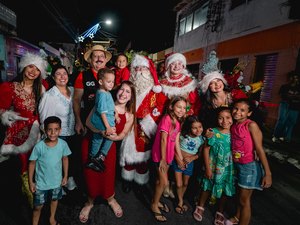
181 85
136 146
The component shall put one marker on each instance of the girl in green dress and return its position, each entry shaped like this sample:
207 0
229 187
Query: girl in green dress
218 181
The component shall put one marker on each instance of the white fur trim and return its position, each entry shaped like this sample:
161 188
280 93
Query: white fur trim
32 139
182 91
139 60
34 59
204 83
6 117
127 174
141 178
175 57
157 88
128 153
148 126
141 97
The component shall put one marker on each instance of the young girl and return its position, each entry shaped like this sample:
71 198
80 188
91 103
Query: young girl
190 143
246 145
163 150
219 171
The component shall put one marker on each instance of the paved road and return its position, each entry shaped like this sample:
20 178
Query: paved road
277 205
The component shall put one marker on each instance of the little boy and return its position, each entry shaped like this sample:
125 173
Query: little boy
48 159
103 119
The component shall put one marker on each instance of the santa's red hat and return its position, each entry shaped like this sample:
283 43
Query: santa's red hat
140 60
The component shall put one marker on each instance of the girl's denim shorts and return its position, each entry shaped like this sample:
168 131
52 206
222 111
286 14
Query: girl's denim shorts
188 171
250 175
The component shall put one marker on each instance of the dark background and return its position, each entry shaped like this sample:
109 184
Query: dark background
148 25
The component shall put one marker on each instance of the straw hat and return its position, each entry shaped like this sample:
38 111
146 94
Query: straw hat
96 48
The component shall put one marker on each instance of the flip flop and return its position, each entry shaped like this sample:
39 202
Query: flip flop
159 217
84 213
164 207
179 209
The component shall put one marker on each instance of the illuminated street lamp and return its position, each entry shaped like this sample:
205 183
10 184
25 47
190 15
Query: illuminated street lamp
92 31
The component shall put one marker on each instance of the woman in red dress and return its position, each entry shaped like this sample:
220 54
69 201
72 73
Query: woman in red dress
103 184
18 112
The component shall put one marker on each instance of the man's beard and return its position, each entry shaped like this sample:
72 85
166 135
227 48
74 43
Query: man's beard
143 81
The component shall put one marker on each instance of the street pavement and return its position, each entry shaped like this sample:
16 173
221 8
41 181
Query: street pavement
277 205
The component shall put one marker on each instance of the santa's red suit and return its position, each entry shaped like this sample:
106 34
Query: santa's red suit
182 84
136 147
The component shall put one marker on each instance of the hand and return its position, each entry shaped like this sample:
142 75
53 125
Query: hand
32 187
208 174
209 133
79 128
188 159
163 166
181 164
64 181
9 117
266 181
110 131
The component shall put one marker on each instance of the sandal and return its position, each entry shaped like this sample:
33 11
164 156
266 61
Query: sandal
84 213
117 209
181 209
164 207
198 213
159 217
232 221
219 219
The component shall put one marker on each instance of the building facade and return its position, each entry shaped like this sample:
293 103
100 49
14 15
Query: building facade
262 34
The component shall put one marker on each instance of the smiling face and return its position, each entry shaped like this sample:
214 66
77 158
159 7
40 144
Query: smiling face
225 119
240 112
61 77
196 129
216 85
124 94
98 60
121 61
53 131
31 72
179 109
176 68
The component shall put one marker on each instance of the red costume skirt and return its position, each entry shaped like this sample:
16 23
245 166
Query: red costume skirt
101 184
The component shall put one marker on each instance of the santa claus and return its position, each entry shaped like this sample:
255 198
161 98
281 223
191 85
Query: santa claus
136 147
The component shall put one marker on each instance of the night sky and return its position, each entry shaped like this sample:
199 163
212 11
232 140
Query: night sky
61 20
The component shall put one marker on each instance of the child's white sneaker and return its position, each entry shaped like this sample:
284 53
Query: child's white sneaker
71 185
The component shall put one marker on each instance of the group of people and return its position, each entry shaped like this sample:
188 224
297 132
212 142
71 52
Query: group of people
128 113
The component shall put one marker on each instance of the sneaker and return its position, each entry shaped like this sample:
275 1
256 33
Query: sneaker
275 140
99 162
282 139
93 166
71 185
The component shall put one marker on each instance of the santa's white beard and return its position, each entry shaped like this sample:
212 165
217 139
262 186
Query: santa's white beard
143 81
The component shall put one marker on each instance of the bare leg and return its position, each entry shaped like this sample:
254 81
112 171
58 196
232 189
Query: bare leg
117 209
36 214
53 207
245 206
160 185
203 198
